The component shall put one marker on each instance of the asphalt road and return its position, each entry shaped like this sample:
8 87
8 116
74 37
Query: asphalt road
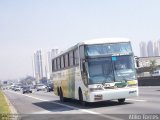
44 105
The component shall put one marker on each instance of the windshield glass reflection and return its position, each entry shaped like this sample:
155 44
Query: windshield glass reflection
104 49
124 68
111 69
100 70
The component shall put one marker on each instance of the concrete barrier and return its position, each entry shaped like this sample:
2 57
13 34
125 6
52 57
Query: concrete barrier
149 81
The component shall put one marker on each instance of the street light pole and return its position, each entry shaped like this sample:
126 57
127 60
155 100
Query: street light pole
137 61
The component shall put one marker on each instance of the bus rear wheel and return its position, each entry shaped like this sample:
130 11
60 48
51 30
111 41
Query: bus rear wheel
121 100
61 95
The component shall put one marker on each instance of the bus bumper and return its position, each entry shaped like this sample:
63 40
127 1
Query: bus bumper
112 94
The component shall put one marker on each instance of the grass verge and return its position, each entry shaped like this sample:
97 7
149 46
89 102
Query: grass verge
4 108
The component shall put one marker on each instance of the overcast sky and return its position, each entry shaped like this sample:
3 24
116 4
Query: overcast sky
29 25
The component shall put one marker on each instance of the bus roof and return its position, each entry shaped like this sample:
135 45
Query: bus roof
105 40
95 41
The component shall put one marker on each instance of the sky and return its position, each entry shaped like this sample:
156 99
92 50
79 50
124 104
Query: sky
30 25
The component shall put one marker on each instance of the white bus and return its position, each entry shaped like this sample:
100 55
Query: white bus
96 70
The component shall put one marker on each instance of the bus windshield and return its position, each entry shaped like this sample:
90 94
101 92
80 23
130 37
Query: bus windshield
111 69
104 49
124 68
100 70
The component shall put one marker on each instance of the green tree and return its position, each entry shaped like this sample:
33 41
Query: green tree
153 66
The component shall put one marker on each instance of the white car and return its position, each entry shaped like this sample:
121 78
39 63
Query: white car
17 88
40 87
156 73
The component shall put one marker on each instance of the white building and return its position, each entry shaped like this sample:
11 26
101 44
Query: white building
37 65
143 49
150 49
157 48
48 65
42 63
54 52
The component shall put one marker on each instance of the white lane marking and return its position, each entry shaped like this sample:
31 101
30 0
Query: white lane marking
75 108
58 112
137 100
42 112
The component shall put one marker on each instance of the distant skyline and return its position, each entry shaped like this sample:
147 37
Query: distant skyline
150 48
30 25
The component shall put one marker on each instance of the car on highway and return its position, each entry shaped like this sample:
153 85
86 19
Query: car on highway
50 87
26 89
17 88
156 73
41 87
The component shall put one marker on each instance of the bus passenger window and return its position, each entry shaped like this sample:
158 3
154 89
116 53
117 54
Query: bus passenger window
62 62
76 57
66 60
71 58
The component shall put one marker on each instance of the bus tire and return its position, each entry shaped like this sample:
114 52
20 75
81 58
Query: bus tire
61 95
83 103
58 91
121 101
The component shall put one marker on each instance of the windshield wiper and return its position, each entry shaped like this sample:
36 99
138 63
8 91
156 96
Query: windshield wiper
107 82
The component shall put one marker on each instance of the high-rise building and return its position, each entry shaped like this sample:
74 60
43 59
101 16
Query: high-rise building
42 64
48 65
54 52
143 49
37 65
157 48
150 48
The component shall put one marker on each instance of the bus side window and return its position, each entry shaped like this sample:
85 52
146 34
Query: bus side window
84 72
53 66
59 63
76 57
82 56
66 60
62 62
71 63
56 60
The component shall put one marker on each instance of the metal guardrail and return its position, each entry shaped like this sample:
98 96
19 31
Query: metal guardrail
149 81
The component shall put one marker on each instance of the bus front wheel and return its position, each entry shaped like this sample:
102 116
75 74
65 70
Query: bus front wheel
121 100
81 98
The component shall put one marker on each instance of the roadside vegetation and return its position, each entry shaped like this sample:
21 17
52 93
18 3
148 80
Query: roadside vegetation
4 108
153 66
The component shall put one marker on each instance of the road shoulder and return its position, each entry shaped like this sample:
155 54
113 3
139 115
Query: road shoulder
14 113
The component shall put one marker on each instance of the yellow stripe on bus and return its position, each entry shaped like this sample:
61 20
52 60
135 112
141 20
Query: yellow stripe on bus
132 82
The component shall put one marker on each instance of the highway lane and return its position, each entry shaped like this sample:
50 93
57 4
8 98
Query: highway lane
42 109
33 103
47 103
